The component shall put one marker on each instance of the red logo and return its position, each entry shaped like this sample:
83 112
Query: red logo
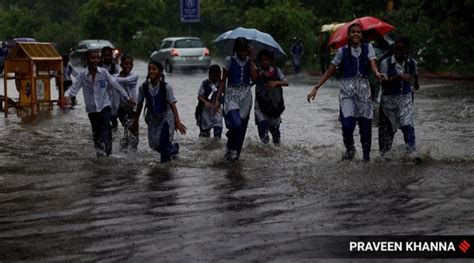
464 246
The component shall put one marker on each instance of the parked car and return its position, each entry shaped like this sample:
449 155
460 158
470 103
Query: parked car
12 42
182 53
79 52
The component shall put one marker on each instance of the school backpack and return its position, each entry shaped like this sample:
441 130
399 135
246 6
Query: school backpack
270 101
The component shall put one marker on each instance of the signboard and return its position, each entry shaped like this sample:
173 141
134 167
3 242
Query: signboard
189 10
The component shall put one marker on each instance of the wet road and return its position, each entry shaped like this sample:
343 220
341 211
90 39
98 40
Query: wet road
60 203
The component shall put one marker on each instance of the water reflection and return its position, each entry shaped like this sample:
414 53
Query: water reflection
60 203
160 191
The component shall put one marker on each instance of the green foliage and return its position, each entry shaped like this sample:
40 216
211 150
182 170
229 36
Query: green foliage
146 41
440 31
285 20
20 23
64 35
119 20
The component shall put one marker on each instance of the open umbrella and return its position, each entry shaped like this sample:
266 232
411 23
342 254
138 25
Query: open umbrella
259 40
371 27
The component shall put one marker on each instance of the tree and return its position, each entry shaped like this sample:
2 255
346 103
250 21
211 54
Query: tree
120 20
20 23
284 21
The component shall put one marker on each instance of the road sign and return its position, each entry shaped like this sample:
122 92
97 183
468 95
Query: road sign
189 10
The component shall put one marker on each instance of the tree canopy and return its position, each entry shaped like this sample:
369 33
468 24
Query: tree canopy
440 31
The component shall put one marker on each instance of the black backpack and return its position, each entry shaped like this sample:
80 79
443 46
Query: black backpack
270 101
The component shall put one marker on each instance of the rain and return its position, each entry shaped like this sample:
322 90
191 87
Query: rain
60 202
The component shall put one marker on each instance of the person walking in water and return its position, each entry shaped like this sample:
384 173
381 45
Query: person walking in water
125 113
106 61
297 52
97 84
355 103
207 116
396 105
68 70
161 113
239 71
269 104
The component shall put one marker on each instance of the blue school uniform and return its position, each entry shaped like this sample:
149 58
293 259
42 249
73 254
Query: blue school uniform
159 118
209 118
237 102
355 99
396 105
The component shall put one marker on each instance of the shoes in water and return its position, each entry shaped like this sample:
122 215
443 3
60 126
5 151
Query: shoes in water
100 153
348 155
410 150
231 155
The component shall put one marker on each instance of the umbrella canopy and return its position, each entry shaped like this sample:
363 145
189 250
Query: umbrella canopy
371 27
259 40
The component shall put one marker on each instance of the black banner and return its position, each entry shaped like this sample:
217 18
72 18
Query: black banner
391 246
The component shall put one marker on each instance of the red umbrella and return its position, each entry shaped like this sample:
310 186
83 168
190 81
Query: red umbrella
371 28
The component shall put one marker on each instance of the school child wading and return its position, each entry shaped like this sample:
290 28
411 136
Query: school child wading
239 71
68 70
97 83
161 114
269 104
125 113
106 61
354 99
396 106
207 116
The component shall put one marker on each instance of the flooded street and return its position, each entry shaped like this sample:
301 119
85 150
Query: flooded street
61 203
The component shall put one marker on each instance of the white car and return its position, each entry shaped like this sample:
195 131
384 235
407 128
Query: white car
182 53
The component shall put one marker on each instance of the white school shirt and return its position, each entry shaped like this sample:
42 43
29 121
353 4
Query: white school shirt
96 95
129 83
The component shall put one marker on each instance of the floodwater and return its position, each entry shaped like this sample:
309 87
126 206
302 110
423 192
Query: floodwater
61 203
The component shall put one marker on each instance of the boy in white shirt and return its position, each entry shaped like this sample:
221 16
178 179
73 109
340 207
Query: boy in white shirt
97 83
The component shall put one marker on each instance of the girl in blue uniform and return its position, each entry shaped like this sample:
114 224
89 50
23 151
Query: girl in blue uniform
207 117
239 71
355 59
396 105
161 115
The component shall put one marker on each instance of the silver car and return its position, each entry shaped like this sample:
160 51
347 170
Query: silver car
182 53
